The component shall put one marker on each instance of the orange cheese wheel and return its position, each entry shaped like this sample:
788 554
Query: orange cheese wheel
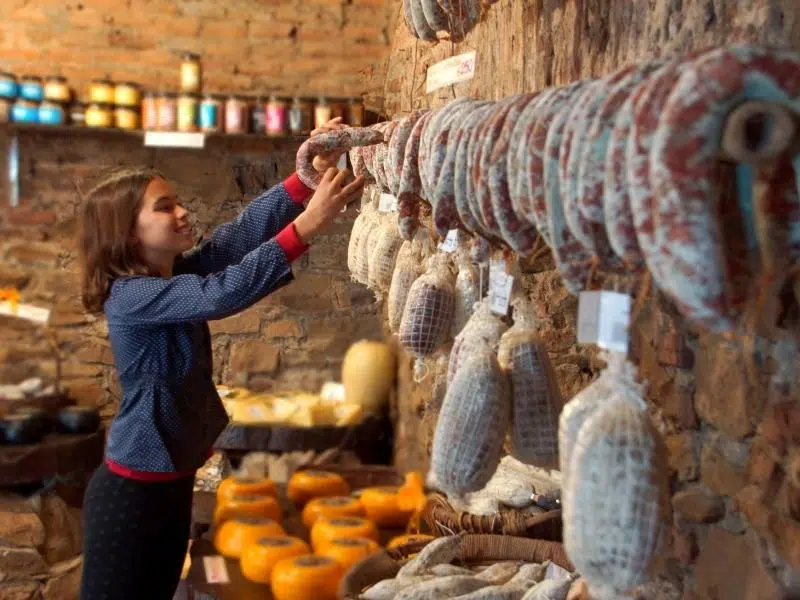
242 506
325 530
411 496
244 486
349 551
306 577
402 540
233 536
330 508
259 559
309 484
381 506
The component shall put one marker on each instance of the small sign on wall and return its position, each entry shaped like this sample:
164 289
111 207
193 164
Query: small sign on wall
451 71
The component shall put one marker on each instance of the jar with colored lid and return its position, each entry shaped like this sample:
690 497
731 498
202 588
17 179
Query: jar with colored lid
187 112
31 88
167 112
57 90
8 86
300 117
25 111
126 117
322 112
101 91
190 73
99 115
236 115
77 114
355 113
128 94
258 116
149 112
51 113
5 110
210 116
277 124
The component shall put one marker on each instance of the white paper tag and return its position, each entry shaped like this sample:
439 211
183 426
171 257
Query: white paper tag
387 203
28 312
500 286
342 164
450 243
603 319
216 570
451 71
174 139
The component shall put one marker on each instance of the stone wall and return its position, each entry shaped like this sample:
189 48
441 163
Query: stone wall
250 47
293 338
728 432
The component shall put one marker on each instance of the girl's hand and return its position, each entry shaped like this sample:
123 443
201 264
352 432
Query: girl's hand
323 162
327 202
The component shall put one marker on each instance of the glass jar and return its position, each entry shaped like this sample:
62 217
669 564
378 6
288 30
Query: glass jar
322 112
126 117
355 113
51 113
5 110
190 74
8 86
167 112
187 112
236 115
31 88
276 117
25 111
210 113
77 114
127 94
99 115
258 116
101 91
57 90
300 117
149 112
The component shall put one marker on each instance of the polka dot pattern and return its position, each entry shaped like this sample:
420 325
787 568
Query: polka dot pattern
170 413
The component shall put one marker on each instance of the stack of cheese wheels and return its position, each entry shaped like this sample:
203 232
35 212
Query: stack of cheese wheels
259 559
309 484
246 496
382 506
307 577
331 507
348 551
326 530
236 534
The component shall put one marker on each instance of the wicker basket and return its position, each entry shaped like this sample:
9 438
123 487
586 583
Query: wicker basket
443 519
476 549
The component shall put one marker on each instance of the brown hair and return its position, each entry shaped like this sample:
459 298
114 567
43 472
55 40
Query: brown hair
107 220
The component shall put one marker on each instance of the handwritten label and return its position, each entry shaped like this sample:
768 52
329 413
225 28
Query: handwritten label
500 286
28 312
603 319
387 203
451 71
450 243
216 570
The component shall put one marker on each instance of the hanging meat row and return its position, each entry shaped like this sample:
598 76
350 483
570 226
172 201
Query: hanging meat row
431 20
620 173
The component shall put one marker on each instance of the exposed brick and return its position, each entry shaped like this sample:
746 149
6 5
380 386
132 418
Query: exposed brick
86 391
246 322
285 328
253 356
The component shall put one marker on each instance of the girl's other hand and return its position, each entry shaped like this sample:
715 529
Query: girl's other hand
323 162
327 202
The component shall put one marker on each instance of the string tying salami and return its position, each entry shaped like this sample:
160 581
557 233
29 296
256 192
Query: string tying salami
341 140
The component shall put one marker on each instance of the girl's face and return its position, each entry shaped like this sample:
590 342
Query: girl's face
162 231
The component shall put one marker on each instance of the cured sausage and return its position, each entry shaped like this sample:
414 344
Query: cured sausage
435 16
397 149
463 179
410 187
421 28
687 263
462 16
341 139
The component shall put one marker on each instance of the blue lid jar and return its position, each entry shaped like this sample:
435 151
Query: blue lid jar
51 113
31 88
8 86
25 111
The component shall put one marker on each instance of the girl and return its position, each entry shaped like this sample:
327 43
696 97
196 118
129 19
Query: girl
157 296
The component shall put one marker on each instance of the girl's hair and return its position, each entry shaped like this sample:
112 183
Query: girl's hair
107 221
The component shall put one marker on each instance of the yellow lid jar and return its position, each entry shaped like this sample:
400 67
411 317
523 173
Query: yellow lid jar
57 90
127 94
99 115
101 91
126 117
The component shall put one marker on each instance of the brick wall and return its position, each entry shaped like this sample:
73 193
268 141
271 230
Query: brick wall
250 46
736 535
295 337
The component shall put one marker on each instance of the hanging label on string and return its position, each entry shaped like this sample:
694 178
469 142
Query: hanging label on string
500 286
604 319
450 243
387 203
216 570
456 69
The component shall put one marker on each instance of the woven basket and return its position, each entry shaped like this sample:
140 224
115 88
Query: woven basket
476 549
443 519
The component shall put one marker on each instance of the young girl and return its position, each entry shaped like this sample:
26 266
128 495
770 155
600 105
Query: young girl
157 296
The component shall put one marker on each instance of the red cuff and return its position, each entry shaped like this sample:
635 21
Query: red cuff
291 243
297 190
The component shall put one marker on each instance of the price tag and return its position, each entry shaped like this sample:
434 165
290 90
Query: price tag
451 71
387 203
603 319
500 286
342 164
450 243
28 312
216 570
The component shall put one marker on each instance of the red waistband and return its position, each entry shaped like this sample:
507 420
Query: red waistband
152 476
